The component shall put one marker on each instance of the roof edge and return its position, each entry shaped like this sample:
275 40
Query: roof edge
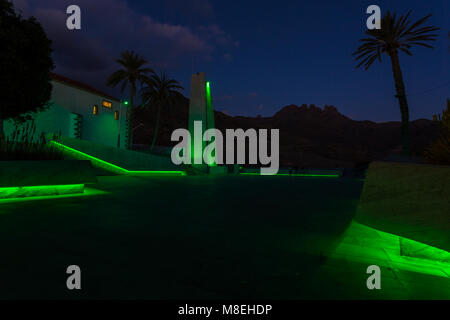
80 85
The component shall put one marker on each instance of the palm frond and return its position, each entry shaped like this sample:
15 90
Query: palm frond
395 34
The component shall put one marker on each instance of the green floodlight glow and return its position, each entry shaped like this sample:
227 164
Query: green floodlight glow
26 191
126 103
294 175
22 194
381 248
112 167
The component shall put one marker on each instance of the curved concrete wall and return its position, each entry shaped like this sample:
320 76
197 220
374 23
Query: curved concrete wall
410 200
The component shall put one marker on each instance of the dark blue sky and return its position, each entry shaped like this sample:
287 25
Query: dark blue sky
259 55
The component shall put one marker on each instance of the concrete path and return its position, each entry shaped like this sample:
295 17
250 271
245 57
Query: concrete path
195 238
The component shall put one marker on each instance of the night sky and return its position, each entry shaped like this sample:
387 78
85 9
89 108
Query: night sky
259 55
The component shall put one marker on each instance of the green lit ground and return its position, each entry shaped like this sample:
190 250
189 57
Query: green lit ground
205 237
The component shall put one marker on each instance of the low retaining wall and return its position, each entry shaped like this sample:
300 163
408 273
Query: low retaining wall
41 191
409 200
45 173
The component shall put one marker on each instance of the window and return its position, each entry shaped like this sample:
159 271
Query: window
116 115
107 104
95 111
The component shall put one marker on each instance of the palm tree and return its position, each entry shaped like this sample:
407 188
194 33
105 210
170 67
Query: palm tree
159 91
396 35
133 73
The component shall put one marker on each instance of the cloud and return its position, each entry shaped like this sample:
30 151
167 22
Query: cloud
228 57
215 34
72 48
111 26
179 39
201 8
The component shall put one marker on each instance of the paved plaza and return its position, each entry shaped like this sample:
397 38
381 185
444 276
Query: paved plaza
230 237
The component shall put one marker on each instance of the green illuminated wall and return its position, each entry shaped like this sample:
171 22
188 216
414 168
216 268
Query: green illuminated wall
200 109
210 118
197 112
67 100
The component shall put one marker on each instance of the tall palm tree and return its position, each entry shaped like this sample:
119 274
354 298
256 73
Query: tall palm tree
159 91
396 34
132 74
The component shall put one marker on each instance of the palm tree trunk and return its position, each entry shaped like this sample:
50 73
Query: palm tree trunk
401 96
155 134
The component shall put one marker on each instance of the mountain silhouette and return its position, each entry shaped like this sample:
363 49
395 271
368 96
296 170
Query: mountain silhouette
310 136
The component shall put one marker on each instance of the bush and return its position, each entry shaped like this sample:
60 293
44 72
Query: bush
25 144
439 152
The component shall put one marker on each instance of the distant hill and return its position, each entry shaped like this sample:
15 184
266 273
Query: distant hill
309 136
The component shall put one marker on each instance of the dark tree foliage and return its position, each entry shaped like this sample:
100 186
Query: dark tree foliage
132 73
159 90
397 34
25 63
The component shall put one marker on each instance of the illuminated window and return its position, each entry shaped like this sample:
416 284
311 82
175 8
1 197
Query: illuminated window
95 111
116 115
107 104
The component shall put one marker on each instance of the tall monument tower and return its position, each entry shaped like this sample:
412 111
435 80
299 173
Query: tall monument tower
200 109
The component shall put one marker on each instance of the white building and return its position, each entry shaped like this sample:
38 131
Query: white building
78 110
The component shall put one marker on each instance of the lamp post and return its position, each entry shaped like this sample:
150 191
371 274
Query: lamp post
124 102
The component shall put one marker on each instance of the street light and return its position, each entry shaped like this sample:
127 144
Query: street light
126 103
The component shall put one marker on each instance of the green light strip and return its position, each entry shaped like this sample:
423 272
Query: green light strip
112 167
296 175
30 191
62 186
87 192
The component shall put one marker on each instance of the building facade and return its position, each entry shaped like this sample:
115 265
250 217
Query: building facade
80 111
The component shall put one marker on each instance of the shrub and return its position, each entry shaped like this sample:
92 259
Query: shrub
24 144
439 152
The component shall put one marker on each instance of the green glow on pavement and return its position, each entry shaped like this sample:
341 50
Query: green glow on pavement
294 175
112 167
61 189
363 244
